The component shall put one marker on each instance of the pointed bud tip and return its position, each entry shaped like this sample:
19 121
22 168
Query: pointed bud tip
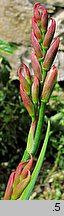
57 41
44 18
54 68
37 12
53 22
9 187
36 82
43 10
26 168
37 4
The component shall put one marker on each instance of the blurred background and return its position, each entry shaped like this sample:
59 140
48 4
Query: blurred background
15 47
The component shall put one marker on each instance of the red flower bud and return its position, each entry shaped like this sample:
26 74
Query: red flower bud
27 73
36 29
37 12
26 168
49 34
18 180
49 84
20 187
51 53
18 172
44 18
9 187
35 90
36 46
23 81
36 66
27 102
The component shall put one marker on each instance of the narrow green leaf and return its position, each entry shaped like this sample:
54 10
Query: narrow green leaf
6 47
27 192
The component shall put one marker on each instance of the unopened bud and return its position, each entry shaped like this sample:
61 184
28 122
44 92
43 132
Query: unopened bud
27 73
27 102
50 55
49 84
37 14
49 34
36 46
36 66
44 18
36 29
23 81
18 172
20 187
35 90
26 168
9 188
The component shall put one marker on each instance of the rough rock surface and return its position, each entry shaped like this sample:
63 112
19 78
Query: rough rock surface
15 20
58 3
15 26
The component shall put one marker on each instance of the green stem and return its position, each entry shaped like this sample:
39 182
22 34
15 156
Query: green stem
27 192
38 133
39 128
26 155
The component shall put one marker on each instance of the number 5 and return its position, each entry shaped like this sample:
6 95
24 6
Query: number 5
57 207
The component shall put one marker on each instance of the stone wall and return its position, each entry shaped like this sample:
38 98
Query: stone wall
15 26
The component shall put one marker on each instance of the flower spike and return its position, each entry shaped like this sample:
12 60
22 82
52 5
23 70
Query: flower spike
39 87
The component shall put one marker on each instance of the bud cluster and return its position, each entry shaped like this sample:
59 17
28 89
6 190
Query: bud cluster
29 89
25 88
18 180
41 38
42 57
